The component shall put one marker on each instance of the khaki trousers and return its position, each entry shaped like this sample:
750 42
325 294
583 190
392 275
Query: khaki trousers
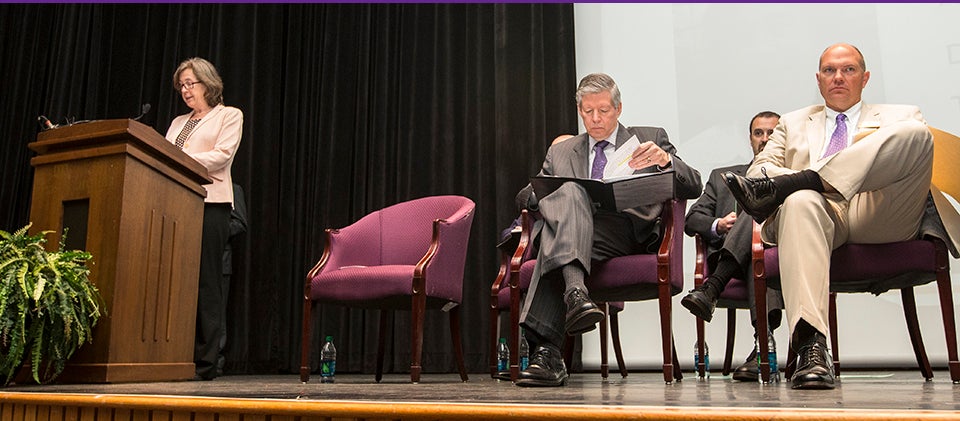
881 185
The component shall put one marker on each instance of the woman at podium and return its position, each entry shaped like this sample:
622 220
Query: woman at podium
210 133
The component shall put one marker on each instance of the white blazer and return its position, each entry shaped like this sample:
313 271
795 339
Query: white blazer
213 143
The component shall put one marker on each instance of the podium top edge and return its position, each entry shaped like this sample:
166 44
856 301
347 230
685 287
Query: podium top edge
105 132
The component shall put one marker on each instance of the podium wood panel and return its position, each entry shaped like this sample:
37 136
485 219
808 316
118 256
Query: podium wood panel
139 201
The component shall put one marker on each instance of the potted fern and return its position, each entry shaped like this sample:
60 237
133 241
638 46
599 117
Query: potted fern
48 306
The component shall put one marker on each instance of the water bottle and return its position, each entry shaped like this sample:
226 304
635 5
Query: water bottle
524 352
772 358
503 356
706 359
328 361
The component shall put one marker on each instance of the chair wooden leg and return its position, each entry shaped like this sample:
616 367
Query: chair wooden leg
381 343
677 372
762 329
457 344
514 341
913 328
305 340
700 364
666 331
731 331
604 366
946 309
493 337
416 335
834 342
617 350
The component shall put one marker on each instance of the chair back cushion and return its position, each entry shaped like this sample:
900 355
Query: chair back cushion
374 259
407 228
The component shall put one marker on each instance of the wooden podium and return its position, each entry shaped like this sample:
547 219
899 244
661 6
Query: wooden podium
135 202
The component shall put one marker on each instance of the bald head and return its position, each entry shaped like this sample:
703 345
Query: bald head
852 48
841 76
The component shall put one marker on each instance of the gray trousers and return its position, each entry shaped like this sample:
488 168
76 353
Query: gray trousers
573 232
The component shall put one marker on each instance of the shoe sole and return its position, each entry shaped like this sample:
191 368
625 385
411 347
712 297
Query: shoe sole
584 322
541 383
813 385
696 307
741 377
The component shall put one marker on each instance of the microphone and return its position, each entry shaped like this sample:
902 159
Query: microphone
144 109
45 123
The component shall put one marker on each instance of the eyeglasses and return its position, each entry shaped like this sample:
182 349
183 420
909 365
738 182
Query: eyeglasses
187 84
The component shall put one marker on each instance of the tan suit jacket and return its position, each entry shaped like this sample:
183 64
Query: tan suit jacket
213 143
800 136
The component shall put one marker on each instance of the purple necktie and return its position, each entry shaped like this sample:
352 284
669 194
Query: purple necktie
599 160
839 139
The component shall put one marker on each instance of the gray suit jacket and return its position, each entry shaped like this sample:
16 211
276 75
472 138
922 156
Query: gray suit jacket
571 157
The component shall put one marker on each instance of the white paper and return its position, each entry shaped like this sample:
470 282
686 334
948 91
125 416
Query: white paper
618 164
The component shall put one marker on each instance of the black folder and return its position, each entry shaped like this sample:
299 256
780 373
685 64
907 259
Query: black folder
615 194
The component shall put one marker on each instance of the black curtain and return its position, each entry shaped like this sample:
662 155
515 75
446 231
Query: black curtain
347 109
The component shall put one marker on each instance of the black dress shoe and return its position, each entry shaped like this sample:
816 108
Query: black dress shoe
582 313
701 301
749 371
814 367
546 369
757 196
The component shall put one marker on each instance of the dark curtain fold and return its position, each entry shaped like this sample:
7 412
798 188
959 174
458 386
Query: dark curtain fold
348 108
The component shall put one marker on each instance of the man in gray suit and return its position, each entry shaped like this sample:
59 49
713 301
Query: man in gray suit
728 239
843 171
575 232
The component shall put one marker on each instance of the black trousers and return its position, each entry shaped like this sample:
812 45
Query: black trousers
738 243
210 299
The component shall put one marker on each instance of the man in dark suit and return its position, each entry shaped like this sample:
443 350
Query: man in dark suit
574 232
832 173
728 239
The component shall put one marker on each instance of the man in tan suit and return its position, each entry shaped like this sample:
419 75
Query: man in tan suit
841 172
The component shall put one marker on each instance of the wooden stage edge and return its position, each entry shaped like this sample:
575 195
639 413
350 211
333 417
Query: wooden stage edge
27 406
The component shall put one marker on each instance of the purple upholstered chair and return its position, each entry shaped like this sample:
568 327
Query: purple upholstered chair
505 294
409 256
733 297
641 277
872 268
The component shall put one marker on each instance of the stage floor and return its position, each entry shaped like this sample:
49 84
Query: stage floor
858 390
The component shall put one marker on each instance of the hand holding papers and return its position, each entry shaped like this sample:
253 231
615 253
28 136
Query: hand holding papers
619 163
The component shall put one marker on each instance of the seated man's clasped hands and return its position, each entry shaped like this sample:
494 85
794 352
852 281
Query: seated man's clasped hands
575 232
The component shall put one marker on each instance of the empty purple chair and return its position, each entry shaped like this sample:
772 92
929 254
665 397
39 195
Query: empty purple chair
409 256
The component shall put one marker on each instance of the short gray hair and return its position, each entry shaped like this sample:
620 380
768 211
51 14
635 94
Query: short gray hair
596 83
